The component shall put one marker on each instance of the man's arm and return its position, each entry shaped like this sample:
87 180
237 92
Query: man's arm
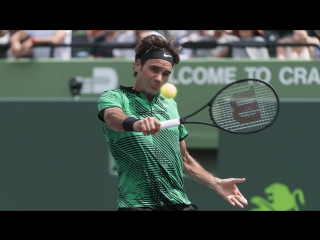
114 118
226 188
195 171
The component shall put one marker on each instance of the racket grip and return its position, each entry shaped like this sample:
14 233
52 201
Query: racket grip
170 123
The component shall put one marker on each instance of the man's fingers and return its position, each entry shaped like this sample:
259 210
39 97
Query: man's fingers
242 200
234 201
149 126
239 180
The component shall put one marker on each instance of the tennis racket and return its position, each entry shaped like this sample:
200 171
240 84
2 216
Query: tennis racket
243 106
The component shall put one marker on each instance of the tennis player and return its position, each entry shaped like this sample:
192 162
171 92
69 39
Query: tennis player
151 162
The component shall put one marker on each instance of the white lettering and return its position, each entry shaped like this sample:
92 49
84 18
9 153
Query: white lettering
171 79
230 73
282 77
215 76
200 75
184 75
263 73
299 73
103 78
314 76
250 71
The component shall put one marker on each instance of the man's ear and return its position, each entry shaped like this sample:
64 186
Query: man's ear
137 65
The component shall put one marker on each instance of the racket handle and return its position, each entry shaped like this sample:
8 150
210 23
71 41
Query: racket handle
170 123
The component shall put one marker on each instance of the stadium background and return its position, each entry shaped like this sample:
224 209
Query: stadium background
54 156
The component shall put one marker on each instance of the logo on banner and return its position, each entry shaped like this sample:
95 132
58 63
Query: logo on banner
279 198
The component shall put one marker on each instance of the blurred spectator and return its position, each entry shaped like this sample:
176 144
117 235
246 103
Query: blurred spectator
93 34
297 52
23 42
131 36
3 32
282 33
4 39
196 35
250 52
193 36
219 36
315 33
181 36
270 35
103 52
177 34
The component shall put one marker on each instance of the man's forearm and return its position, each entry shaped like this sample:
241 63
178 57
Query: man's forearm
196 172
114 117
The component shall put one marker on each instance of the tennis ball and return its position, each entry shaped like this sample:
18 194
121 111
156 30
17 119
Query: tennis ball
168 90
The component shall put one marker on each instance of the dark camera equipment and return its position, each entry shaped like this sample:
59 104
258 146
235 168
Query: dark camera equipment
75 85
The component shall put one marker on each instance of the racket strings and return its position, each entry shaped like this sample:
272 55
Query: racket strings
245 107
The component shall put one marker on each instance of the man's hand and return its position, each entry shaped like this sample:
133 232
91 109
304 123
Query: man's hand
148 125
228 190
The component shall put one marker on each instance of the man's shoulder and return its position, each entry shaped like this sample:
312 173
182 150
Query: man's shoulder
169 101
109 92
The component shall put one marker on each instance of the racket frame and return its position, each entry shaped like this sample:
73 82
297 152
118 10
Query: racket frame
183 120
210 104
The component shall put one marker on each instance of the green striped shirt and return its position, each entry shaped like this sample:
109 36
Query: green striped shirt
149 167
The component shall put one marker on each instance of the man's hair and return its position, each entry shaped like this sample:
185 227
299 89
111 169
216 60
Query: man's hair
154 41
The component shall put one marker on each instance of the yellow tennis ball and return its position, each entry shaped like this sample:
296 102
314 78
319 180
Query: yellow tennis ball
168 90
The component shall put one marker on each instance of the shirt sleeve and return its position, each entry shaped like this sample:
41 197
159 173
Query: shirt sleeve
183 133
107 99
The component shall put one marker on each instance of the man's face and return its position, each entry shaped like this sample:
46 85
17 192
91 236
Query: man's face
152 75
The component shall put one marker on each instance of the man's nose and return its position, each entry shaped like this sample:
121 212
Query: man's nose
158 77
